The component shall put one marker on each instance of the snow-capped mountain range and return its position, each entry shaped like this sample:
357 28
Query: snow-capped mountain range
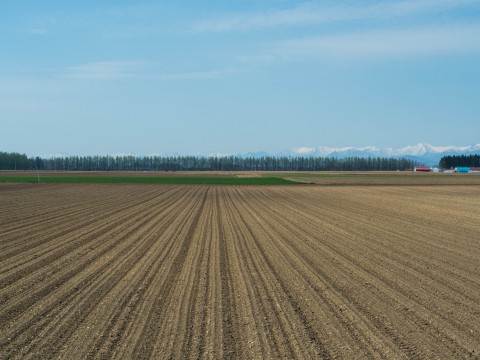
423 153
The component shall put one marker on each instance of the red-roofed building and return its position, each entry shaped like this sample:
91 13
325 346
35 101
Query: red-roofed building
423 168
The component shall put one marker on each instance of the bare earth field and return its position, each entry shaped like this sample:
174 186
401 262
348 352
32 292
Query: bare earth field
400 178
240 272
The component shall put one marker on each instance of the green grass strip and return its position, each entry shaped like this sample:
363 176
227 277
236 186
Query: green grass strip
151 180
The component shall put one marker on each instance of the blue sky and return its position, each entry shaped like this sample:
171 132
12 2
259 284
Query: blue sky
148 77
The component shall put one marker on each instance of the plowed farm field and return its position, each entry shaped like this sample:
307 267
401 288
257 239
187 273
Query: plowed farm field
241 272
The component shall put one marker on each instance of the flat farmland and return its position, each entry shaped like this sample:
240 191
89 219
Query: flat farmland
194 271
376 178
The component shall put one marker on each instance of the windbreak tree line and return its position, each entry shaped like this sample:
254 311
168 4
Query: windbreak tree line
453 161
14 161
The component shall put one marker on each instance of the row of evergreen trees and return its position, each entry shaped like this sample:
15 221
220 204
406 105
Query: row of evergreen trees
453 161
15 161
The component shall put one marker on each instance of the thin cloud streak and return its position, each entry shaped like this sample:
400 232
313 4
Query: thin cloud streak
37 31
198 75
314 13
110 70
411 42
104 70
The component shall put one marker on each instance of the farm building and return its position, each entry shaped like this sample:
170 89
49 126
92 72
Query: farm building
423 168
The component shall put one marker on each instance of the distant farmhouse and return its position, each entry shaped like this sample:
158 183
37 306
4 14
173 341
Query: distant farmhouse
423 168
458 169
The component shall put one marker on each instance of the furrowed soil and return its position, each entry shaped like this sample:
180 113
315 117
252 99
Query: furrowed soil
180 271
390 178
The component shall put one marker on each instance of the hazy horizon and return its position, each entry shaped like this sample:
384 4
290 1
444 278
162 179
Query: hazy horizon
200 78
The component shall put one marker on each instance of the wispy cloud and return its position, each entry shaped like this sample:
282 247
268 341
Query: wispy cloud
447 39
139 70
316 13
105 70
38 31
198 75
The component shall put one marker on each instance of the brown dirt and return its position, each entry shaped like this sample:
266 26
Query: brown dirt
386 178
164 271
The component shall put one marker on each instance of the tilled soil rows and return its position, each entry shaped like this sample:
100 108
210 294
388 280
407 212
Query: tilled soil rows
169 271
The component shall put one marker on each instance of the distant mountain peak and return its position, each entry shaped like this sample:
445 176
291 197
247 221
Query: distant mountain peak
421 152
